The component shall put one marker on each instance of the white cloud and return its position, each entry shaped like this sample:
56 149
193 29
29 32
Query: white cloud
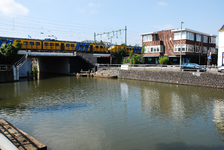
162 3
12 7
90 4
164 27
94 5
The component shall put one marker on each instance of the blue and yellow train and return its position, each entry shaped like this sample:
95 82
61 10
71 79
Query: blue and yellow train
55 45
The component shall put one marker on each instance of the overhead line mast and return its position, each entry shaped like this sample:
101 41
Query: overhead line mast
108 33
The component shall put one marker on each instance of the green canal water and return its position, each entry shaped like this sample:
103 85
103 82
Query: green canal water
68 113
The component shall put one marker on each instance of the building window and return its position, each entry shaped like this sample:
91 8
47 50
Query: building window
147 38
147 49
212 50
205 39
197 49
190 48
154 49
178 47
205 49
212 40
198 38
154 37
185 35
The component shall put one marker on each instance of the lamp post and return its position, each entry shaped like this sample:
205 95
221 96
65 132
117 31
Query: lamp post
181 44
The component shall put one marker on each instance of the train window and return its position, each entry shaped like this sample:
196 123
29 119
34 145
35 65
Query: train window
86 46
25 43
46 44
31 43
81 45
56 44
37 43
96 46
101 46
127 48
72 45
51 44
67 45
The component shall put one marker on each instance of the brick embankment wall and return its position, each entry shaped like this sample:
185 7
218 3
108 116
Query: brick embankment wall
6 76
215 80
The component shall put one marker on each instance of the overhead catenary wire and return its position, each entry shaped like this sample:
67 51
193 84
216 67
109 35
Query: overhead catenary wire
22 26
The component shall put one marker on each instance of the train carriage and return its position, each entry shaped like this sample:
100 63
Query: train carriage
54 45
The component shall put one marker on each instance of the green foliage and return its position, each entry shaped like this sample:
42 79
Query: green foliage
8 53
119 55
142 53
163 60
34 68
101 42
123 44
132 59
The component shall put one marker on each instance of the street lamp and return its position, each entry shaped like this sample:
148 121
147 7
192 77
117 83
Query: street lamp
180 43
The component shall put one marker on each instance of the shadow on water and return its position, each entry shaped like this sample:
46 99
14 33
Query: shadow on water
43 76
48 108
59 107
184 146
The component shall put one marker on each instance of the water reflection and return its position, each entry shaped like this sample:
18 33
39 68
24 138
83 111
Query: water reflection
97 113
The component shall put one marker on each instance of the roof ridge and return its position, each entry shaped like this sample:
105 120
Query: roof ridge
222 28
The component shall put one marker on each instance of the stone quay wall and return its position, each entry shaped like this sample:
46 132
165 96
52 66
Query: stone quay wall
6 76
215 80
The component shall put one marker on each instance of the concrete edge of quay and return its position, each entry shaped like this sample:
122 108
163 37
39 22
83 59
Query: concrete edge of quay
203 79
18 138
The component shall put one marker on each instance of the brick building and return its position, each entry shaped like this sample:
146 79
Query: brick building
196 46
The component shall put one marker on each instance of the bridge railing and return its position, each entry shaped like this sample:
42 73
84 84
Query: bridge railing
4 67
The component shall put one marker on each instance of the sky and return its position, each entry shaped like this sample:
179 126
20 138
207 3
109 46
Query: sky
78 20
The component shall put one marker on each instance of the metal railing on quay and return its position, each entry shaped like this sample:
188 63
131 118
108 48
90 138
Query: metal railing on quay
209 68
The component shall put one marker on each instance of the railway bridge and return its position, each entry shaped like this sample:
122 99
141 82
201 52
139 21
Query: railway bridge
61 62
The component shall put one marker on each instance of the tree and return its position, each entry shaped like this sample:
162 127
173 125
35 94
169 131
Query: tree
119 55
8 53
142 53
163 60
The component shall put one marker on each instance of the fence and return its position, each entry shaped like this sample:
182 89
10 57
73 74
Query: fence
209 68
5 67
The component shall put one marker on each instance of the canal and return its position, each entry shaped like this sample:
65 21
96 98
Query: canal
114 114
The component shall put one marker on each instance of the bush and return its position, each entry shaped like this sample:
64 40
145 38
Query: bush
163 60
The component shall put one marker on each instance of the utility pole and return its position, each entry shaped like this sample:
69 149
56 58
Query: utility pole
181 44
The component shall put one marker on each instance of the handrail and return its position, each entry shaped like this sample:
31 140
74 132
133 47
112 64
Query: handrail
4 67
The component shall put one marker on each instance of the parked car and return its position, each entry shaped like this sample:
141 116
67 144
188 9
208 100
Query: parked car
221 69
192 67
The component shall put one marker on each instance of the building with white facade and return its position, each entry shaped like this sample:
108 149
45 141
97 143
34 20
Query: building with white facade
221 47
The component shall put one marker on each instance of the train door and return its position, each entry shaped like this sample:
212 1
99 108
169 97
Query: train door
62 46
91 48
